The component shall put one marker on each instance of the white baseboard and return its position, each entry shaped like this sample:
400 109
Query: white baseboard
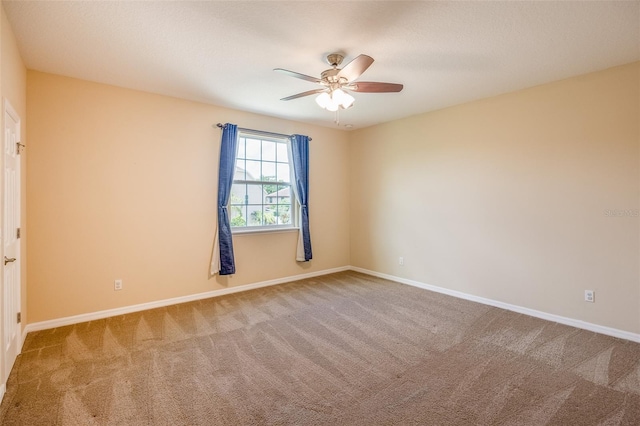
25 331
59 322
614 332
3 389
92 316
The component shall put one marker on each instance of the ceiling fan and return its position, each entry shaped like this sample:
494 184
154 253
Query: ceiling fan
338 82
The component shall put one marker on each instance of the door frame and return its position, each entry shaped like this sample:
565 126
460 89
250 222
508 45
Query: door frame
9 110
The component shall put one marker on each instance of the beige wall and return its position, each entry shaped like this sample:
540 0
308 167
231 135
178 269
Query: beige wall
122 184
505 198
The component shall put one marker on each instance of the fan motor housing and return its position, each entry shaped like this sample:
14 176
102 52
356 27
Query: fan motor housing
335 59
331 76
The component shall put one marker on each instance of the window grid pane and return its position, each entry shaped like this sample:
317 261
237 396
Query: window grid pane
241 150
282 153
268 170
268 151
283 172
253 169
261 194
253 149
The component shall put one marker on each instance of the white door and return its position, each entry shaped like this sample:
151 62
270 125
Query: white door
11 238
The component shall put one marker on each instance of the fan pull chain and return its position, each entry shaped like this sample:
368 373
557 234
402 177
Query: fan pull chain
337 120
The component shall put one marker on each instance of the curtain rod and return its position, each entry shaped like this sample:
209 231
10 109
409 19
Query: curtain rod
260 132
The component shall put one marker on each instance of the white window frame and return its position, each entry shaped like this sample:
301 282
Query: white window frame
294 225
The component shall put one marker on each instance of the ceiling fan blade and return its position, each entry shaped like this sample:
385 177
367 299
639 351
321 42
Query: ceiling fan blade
374 87
303 94
298 75
355 68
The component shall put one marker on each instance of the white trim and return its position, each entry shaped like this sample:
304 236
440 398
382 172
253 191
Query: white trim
59 322
253 230
12 112
614 332
24 336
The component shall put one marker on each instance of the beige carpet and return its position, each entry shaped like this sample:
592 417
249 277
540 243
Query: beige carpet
343 349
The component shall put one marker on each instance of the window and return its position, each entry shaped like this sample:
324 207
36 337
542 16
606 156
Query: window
261 195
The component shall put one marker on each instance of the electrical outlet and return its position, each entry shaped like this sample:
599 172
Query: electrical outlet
117 285
589 296
401 261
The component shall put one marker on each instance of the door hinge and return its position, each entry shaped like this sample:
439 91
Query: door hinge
18 146
19 317
18 233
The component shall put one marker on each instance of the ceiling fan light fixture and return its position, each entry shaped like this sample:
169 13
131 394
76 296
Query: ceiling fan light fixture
323 100
337 95
347 101
332 106
338 98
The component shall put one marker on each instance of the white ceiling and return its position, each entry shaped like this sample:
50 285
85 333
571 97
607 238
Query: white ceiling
223 52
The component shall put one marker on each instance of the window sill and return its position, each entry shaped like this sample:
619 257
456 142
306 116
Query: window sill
235 232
